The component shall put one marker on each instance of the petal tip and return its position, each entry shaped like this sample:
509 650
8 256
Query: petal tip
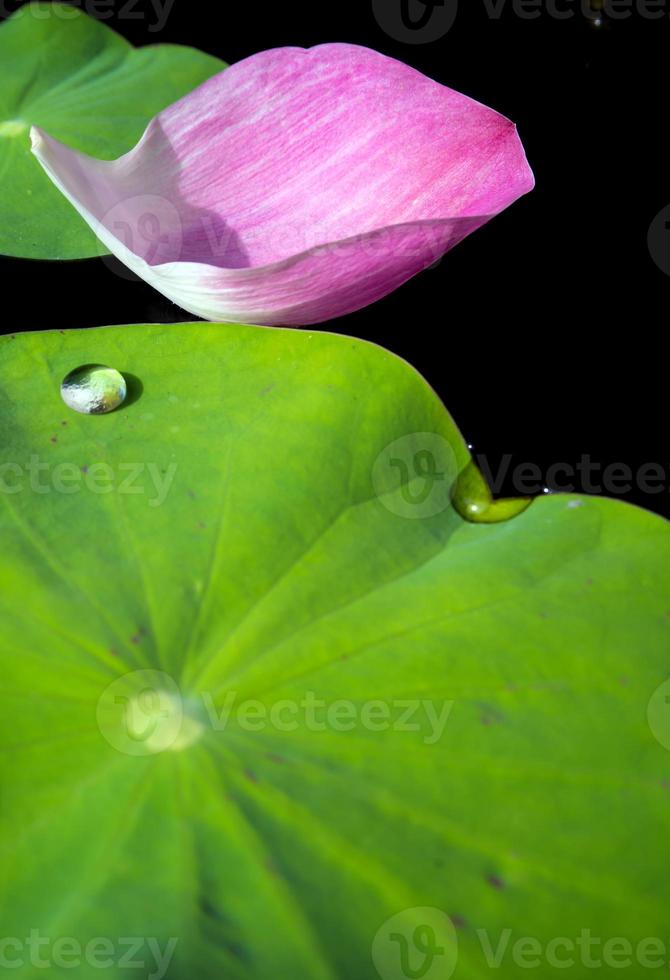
36 139
526 176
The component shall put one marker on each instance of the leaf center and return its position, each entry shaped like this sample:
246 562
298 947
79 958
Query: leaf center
160 724
13 127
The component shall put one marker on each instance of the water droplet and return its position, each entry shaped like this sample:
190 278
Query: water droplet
93 389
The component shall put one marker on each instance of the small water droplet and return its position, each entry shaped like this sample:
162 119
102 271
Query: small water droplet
93 389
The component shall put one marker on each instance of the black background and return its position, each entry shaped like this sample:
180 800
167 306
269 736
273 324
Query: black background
543 331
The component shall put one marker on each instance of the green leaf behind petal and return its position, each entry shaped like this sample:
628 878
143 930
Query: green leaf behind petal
75 77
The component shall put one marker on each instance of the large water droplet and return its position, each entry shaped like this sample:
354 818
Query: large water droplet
93 389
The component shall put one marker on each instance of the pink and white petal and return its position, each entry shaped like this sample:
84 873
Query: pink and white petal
318 285
297 185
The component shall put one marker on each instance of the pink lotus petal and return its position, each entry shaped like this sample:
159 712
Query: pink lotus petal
298 185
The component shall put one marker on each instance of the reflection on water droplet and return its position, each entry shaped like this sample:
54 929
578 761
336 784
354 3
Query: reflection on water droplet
472 499
93 389
595 13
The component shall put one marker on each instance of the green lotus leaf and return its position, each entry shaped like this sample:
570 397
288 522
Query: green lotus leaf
270 707
87 86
